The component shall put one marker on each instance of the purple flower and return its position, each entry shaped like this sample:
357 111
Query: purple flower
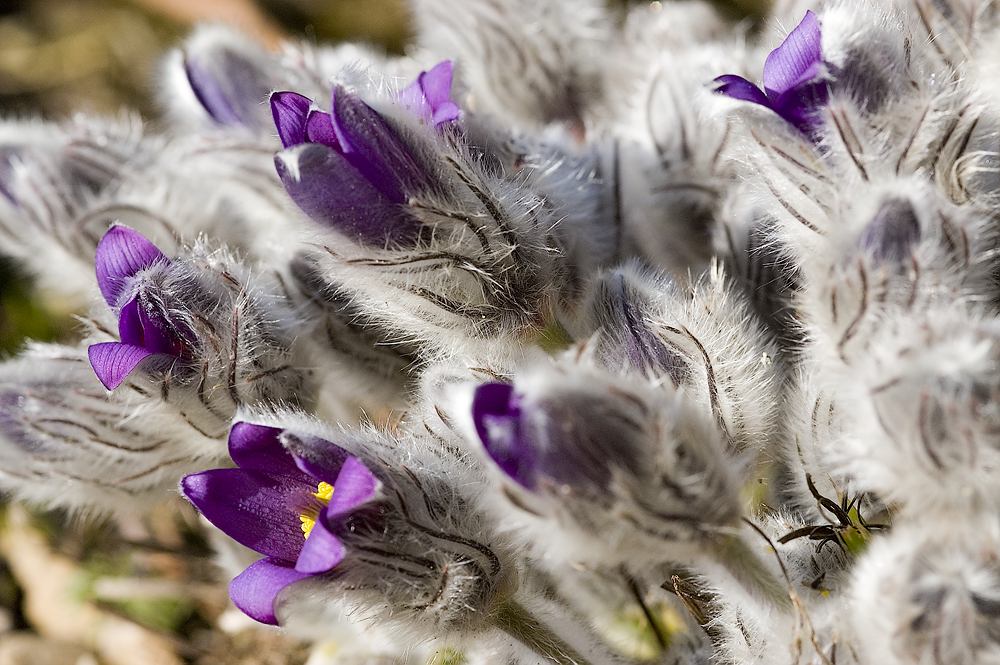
566 434
496 412
794 86
350 169
282 506
144 330
429 97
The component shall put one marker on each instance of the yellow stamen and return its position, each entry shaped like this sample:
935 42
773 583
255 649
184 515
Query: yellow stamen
323 493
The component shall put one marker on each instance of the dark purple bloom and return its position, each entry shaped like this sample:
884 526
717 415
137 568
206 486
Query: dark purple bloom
794 84
568 435
283 507
144 330
350 168
496 412
429 97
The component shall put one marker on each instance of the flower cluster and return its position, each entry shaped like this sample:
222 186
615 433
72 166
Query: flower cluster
558 339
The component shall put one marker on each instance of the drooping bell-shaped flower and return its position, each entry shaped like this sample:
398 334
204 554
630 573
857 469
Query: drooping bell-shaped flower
144 330
794 83
281 506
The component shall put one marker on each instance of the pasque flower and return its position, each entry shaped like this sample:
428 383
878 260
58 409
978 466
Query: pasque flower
145 331
350 168
283 507
794 86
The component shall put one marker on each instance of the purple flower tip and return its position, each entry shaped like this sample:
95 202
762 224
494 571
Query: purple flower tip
429 97
794 87
113 361
496 413
255 590
289 110
121 254
284 507
348 169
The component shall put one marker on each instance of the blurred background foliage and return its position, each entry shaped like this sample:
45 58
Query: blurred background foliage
80 592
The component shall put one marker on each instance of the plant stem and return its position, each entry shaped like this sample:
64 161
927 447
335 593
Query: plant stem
516 621
743 564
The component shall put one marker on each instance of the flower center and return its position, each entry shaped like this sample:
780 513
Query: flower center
324 491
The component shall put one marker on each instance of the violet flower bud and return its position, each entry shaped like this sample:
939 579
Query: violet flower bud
794 86
574 437
594 454
145 330
385 515
226 334
349 169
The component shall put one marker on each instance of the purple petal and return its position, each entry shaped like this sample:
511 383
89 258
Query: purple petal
258 509
496 415
159 335
355 486
333 193
257 447
318 458
738 87
375 149
130 324
113 361
256 589
319 129
802 106
798 59
290 110
321 552
429 97
121 254
148 329
209 94
436 83
445 113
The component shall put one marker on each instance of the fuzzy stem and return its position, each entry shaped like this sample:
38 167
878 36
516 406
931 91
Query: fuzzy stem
513 619
554 337
745 567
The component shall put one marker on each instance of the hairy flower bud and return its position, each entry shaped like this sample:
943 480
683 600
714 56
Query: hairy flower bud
922 598
634 467
204 333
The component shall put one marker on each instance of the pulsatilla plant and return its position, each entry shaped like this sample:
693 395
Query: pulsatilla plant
576 335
